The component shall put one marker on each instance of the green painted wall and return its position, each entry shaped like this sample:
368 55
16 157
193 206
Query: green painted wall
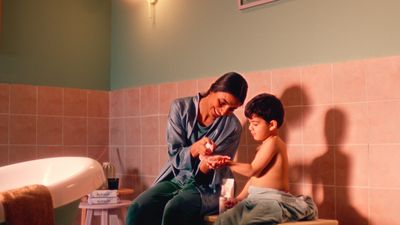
194 38
68 42
56 43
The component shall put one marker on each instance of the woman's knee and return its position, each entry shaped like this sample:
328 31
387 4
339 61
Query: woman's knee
133 214
172 208
189 213
143 214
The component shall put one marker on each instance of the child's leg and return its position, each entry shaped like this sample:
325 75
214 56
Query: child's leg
262 212
232 216
148 207
248 212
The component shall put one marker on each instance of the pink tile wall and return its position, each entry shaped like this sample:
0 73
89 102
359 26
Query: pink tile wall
341 129
38 122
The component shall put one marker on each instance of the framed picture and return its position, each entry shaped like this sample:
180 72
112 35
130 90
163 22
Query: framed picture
244 4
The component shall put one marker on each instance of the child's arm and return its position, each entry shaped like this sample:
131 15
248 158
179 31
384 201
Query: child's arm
264 155
243 194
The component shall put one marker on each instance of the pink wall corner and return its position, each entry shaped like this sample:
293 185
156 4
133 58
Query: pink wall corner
99 153
117 155
117 132
117 103
98 103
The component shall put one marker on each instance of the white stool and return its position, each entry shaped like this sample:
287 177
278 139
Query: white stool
104 210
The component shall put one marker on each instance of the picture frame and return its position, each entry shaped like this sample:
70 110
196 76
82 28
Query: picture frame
244 4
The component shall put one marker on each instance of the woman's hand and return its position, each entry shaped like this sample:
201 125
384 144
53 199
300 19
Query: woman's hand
217 161
202 147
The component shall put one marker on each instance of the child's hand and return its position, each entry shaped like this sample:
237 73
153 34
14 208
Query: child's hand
230 203
217 161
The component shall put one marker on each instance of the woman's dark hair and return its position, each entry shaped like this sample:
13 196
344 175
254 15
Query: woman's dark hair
266 106
232 83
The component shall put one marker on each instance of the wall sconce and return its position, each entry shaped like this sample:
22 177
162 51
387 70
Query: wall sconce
150 7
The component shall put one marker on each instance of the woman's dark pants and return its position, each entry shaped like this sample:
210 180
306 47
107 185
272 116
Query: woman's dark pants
166 203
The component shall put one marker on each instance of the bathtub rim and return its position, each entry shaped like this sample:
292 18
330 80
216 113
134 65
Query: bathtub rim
90 178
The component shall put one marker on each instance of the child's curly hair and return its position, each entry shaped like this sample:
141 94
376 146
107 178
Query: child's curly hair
266 106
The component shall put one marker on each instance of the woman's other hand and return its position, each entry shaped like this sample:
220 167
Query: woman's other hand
202 147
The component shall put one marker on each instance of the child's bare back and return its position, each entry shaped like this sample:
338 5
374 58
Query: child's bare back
274 174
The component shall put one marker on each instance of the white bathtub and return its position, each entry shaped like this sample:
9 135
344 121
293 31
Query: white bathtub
67 178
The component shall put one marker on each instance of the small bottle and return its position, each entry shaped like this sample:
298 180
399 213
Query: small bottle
222 201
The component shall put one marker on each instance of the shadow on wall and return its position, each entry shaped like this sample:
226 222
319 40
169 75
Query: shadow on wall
335 120
294 99
321 170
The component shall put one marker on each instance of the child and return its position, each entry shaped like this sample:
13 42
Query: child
265 198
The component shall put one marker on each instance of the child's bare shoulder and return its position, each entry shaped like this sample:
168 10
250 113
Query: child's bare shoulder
272 144
268 146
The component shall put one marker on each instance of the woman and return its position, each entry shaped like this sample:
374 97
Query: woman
187 188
